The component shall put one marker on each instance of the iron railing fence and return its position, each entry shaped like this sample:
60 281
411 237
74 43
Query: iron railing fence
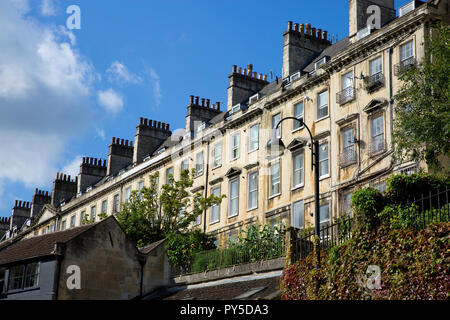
401 67
347 157
346 95
237 254
430 207
374 81
330 236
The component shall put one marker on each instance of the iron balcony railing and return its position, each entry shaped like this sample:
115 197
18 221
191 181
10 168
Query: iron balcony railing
347 157
404 65
374 81
238 254
376 146
346 95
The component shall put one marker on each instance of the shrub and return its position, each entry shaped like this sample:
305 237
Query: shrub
366 204
414 265
401 188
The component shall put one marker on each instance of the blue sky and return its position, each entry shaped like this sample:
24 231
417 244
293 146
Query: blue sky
65 93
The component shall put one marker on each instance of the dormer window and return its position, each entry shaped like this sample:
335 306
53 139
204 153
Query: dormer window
319 63
253 98
407 8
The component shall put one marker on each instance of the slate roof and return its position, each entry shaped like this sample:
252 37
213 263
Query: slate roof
39 246
150 247
330 51
265 289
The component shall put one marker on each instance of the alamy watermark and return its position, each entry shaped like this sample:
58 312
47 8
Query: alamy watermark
74 20
371 280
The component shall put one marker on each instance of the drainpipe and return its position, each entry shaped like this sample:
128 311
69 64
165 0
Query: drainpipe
59 255
391 95
206 184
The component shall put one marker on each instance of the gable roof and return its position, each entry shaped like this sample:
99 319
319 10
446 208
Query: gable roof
39 246
147 249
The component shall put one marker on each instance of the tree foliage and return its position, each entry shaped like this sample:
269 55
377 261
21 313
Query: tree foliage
422 124
151 214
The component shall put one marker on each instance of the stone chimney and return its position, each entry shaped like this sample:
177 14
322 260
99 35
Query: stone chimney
149 136
20 213
64 188
120 155
4 225
91 171
361 14
199 111
40 198
243 83
301 45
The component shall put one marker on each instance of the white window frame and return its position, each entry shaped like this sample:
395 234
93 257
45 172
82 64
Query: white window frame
199 164
325 203
169 171
235 148
250 191
320 107
214 207
327 159
93 213
105 207
183 166
73 221
403 58
127 194
251 140
376 68
302 212
379 135
217 156
274 123
271 180
301 116
300 153
231 183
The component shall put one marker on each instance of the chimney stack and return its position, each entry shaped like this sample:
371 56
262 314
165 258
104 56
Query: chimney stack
149 136
91 171
359 15
197 114
120 155
40 198
301 46
64 188
20 213
244 84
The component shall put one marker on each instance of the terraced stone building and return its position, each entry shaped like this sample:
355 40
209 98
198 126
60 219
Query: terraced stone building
343 91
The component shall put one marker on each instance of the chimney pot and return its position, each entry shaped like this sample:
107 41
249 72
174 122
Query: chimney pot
319 34
296 27
325 35
208 101
191 100
308 28
302 28
289 25
196 100
313 32
218 105
203 102
239 70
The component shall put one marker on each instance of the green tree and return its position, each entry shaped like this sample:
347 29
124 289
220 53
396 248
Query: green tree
151 213
422 124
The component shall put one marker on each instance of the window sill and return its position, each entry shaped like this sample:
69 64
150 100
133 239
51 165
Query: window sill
214 222
251 151
252 209
217 167
233 216
324 177
297 187
274 196
22 290
298 129
323 118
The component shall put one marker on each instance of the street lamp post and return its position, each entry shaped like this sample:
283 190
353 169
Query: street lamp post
275 141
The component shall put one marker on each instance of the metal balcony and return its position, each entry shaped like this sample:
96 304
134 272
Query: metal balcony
374 81
377 146
346 95
347 157
404 65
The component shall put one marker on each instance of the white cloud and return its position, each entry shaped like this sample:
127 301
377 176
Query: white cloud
45 91
48 8
101 133
157 95
73 167
119 73
110 100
